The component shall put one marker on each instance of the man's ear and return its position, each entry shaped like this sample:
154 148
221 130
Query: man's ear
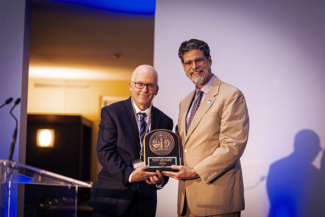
184 67
210 60
130 86
157 90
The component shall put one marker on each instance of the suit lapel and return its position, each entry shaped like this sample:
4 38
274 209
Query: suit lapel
187 104
129 114
204 107
155 118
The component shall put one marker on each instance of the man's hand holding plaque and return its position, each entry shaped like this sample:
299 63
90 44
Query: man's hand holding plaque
161 150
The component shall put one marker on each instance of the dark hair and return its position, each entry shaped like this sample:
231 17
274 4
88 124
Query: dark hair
193 44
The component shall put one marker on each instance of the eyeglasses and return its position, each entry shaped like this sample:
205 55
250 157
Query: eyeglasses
198 61
141 85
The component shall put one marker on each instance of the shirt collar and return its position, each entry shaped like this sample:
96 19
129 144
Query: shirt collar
207 86
137 110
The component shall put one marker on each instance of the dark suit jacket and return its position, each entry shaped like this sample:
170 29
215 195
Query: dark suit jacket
118 145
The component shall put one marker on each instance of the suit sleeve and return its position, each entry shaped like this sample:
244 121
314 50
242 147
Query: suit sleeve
110 160
234 126
171 125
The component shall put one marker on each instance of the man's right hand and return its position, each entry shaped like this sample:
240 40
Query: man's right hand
140 175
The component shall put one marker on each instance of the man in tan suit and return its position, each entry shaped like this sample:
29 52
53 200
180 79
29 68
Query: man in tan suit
213 128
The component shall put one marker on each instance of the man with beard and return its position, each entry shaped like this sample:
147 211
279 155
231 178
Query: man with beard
213 128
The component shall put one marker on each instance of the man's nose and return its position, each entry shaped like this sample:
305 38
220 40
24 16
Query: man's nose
194 65
145 88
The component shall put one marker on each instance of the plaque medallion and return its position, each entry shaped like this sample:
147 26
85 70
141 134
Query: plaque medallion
161 143
161 150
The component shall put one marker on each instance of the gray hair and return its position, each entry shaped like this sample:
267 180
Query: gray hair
193 44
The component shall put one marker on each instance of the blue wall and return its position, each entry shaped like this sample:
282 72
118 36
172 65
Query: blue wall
14 61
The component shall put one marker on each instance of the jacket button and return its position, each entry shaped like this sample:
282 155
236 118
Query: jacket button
185 150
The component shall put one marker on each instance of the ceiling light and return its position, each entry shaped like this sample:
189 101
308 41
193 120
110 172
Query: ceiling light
145 7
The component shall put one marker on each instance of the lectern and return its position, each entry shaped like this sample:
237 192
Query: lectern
13 172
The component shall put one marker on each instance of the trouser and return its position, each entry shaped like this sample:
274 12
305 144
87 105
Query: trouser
135 209
190 214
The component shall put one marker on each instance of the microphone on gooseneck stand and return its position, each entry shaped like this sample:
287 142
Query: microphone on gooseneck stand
13 141
7 102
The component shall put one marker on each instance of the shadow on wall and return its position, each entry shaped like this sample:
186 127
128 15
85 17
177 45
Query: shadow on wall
295 187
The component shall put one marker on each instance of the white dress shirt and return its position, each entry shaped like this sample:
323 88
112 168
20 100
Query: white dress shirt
147 119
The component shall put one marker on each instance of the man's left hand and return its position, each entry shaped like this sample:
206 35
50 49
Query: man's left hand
183 173
155 179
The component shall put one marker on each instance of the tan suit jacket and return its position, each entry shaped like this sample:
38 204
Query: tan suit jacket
213 145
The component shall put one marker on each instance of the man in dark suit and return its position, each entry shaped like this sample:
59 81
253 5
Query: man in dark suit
122 190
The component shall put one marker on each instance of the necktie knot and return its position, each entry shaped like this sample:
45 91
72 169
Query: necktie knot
200 93
142 116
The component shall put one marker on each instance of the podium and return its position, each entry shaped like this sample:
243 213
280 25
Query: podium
13 172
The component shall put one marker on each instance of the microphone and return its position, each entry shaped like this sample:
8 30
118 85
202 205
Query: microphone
7 102
14 136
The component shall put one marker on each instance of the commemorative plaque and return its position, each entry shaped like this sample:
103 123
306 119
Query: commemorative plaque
161 150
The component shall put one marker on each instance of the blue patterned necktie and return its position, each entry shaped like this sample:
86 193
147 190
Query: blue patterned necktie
195 107
143 125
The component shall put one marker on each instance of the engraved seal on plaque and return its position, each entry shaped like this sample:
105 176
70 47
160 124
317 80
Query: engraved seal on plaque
161 143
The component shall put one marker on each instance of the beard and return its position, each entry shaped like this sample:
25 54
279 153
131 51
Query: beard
200 80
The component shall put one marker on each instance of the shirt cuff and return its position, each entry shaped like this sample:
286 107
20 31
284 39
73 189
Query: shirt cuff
130 177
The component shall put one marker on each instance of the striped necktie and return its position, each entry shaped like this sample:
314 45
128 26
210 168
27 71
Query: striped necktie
195 107
143 125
